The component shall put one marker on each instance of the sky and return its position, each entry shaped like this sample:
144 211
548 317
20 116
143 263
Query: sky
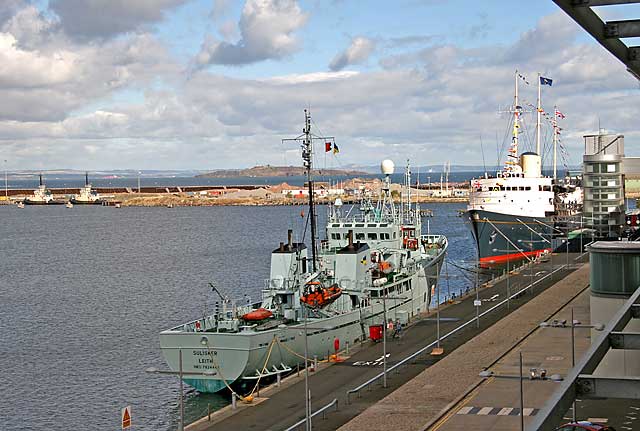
217 84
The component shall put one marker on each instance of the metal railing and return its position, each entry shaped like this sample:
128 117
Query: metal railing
459 328
317 412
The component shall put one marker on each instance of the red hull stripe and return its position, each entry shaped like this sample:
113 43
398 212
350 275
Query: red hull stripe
513 256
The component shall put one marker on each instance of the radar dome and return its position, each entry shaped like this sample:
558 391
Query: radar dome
387 167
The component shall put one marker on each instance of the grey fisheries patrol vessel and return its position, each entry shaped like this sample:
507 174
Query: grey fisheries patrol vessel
374 254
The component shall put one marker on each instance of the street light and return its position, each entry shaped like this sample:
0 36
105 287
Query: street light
574 324
508 273
535 374
180 373
6 182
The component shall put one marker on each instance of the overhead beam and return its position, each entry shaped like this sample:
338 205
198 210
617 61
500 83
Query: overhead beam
625 340
589 3
589 386
562 399
625 28
592 23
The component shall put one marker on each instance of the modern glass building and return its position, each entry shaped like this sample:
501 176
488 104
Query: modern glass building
603 182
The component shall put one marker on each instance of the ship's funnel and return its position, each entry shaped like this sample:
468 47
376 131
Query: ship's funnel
531 165
350 236
290 239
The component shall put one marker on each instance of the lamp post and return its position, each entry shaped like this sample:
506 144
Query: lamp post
508 273
307 393
535 375
180 373
574 324
6 182
384 299
477 302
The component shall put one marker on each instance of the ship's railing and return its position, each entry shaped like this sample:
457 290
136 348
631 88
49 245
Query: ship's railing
316 413
409 358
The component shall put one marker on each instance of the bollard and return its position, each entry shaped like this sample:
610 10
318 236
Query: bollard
209 412
233 401
278 380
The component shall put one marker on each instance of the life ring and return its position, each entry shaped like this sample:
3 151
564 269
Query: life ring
198 327
496 189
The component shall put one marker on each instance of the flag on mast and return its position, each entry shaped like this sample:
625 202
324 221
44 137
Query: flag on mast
327 147
546 81
336 150
559 114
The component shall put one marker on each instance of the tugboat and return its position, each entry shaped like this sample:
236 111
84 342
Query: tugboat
41 196
87 195
374 257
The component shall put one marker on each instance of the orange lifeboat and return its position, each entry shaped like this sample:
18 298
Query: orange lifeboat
256 315
318 296
384 267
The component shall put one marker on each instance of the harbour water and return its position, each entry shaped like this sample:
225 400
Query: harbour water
84 293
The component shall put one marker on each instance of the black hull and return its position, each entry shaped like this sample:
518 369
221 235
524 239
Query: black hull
75 202
501 238
28 202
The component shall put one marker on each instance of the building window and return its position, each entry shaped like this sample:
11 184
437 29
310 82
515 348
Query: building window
611 167
372 235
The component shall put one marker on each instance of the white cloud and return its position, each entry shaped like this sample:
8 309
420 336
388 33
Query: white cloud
358 52
431 103
20 68
86 19
267 31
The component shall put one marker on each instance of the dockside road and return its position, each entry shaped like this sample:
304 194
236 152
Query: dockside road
279 408
433 399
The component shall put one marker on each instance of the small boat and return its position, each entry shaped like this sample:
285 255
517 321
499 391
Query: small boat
41 196
318 296
20 204
257 315
117 205
87 195
69 205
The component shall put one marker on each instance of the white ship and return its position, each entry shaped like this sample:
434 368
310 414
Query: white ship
512 215
372 255
87 195
41 196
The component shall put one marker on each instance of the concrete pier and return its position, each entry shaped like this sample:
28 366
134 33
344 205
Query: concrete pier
419 392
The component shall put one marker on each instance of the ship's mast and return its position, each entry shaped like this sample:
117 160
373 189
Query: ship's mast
539 111
307 157
512 157
306 140
555 142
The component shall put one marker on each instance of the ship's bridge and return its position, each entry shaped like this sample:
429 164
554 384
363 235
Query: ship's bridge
512 193
375 234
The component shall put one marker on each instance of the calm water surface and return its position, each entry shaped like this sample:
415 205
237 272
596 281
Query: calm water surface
85 291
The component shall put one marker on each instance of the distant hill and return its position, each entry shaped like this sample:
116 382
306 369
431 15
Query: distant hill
275 171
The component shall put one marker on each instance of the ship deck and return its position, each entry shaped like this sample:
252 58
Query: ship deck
281 407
